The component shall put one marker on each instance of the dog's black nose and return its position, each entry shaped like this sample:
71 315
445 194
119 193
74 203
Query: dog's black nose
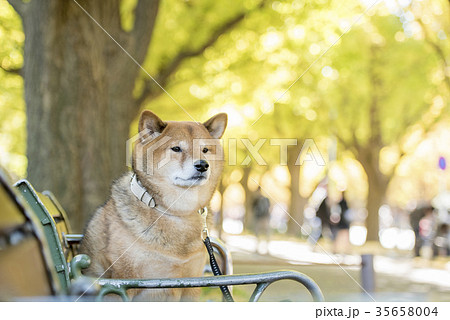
201 165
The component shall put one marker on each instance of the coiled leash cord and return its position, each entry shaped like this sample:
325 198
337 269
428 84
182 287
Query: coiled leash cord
212 260
216 270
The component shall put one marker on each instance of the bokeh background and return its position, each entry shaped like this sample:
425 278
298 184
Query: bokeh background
368 81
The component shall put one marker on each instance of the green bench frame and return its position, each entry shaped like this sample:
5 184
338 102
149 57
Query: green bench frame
66 267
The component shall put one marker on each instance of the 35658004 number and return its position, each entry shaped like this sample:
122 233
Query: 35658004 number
406 311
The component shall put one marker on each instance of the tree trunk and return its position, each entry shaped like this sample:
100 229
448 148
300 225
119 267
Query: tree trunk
78 93
297 202
374 202
378 182
248 216
369 155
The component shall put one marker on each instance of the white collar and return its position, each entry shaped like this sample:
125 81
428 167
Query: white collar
141 192
143 195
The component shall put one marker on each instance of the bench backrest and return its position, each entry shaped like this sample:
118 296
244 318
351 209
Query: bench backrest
55 225
25 259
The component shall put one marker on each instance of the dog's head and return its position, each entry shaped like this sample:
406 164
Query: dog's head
181 154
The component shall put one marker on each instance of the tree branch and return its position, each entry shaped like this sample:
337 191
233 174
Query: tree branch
17 71
438 51
393 170
427 127
172 66
144 22
183 55
342 141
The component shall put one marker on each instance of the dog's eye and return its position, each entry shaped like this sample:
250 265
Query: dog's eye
205 150
176 149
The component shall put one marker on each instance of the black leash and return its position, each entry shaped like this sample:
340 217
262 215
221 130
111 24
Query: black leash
216 270
212 260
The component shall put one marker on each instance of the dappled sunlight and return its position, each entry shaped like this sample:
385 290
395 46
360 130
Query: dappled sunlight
357 235
235 118
311 174
423 160
281 174
272 41
233 195
396 238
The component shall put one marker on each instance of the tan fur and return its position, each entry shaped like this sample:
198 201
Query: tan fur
127 239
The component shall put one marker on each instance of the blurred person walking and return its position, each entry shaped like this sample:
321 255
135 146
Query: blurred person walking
323 213
414 219
427 232
340 226
441 245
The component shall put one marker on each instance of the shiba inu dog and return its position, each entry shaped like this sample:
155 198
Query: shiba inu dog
150 226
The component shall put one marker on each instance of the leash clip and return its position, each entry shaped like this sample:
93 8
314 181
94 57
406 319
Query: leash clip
204 213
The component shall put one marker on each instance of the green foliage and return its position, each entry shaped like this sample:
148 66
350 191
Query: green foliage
184 26
248 70
12 106
403 70
126 14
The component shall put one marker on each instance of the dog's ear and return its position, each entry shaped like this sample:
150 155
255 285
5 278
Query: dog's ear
216 125
150 121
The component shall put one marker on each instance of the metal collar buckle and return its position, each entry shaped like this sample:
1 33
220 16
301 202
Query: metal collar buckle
204 213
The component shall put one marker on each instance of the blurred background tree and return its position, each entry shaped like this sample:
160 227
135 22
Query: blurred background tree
380 92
